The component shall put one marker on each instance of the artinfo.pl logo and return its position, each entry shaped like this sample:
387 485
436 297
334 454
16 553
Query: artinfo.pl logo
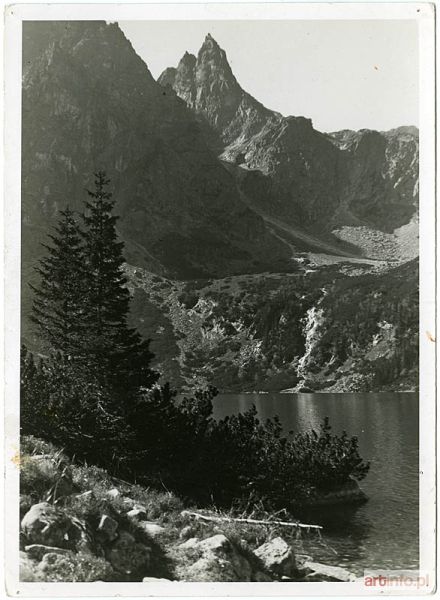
396 578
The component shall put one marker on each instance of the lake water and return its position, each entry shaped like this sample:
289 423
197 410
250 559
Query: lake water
383 533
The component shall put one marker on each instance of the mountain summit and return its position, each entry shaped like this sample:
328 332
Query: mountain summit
209 87
291 172
90 103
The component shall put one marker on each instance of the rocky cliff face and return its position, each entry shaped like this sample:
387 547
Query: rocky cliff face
89 103
209 87
290 170
380 174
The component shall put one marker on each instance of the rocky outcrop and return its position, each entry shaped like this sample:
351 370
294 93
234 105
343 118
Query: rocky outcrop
219 560
47 525
289 170
123 546
277 556
209 87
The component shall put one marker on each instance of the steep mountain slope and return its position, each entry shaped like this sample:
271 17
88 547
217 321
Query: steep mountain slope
289 170
89 103
315 331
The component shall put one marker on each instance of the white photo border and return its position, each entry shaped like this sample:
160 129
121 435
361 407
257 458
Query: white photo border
424 14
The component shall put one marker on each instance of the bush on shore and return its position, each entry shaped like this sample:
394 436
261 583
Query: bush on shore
162 442
96 396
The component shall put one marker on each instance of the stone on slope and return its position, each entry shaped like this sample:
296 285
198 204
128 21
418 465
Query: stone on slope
318 572
150 528
277 557
37 551
137 512
220 560
47 525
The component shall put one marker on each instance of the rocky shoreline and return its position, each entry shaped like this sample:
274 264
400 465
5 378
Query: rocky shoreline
80 524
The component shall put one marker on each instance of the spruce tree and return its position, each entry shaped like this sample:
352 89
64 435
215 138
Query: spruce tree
59 301
117 353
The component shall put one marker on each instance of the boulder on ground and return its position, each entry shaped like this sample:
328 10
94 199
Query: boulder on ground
50 526
37 551
137 512
155 580
220 560
47 525
113 493
150 528
277 556
190 543
128 556
314 571
221 547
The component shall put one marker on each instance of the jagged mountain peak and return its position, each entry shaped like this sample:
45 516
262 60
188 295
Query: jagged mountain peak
188 59
317 180
211 44
208 85
212 64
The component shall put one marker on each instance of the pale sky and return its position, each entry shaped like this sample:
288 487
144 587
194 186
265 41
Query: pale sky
341 74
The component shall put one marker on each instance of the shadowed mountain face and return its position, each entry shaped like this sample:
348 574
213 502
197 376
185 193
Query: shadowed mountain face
216 194
289 170
90 103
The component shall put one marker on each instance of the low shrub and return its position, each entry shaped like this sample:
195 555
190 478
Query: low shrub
157 441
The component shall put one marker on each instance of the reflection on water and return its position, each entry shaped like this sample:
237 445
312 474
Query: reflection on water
383 533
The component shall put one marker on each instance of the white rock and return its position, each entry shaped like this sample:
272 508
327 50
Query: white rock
215 544
277 556
319 572
152 529
138 512
191 543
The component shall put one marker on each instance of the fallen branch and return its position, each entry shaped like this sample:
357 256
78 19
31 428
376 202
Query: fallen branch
196 515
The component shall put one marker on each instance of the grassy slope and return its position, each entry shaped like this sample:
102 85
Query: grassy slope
95 493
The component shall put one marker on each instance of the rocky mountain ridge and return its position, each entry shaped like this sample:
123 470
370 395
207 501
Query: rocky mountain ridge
318 181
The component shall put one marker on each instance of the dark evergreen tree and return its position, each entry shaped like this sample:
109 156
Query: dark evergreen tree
59 301
117 353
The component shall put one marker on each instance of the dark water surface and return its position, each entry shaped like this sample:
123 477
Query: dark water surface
382 533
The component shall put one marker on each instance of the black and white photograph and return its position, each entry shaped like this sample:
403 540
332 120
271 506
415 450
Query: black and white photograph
222 371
